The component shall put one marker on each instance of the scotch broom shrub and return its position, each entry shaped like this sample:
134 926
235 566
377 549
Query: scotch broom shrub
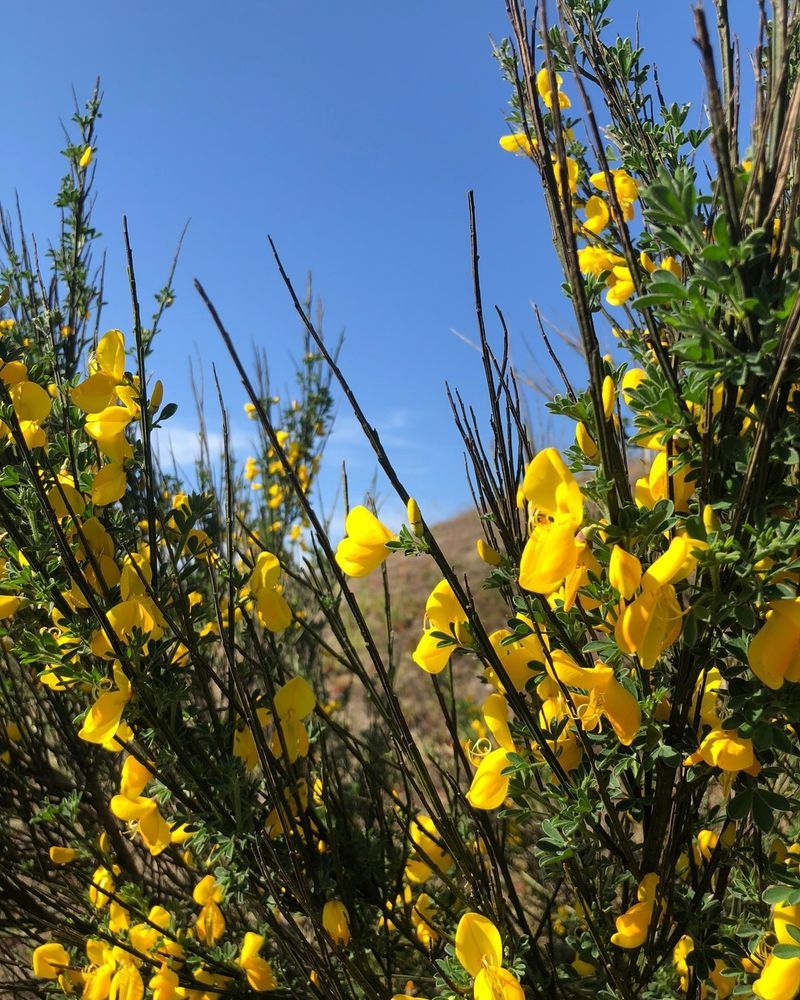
195 804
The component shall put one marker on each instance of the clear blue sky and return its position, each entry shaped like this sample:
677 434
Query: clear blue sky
351 132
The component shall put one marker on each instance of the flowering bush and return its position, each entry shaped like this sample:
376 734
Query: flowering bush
191 806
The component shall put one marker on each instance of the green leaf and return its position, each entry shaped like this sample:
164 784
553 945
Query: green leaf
762 814
786 951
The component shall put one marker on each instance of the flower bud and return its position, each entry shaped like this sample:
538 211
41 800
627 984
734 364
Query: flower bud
487 554
414 517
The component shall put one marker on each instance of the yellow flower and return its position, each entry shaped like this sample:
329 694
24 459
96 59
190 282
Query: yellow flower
624 572
479 949
103 718
552 550
550 555
724 985
108 485
150 824
625 186
94 393
293 703
108 424
487 554
495 712
724 749
633 924
779 979
364 547
62 855
48 960
489 788
516 658
427 840
210 924
655 486
551 487
102 885
620 286
572 174
164 984
596 261
86 158
682 950
609 396
31 402
518 142
110 355
414 517
494 983
585 441
671 265
631 381
608 698
774 651
597 215
676 564
336 921
9 605
443 614
257 969
478 942
272 608
545 89
649 625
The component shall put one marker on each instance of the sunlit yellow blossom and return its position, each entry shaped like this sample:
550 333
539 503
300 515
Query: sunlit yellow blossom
620 286
62 855
9 605
631 381
479 949
649 625
517 658
774 651
624 572
724 749
294 702
272 608
495 712
632 926
443 614
150 824
487 554
48 960
102 885
543 85
210 925
364 547
585 441
414 517
552 550
427 840
108 485
103 718
518 142
257 969
607 697
656 486
489 788
625 186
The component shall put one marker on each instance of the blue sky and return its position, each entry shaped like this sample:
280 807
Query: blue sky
350 132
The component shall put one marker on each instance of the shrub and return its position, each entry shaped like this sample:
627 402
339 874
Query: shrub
211 786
